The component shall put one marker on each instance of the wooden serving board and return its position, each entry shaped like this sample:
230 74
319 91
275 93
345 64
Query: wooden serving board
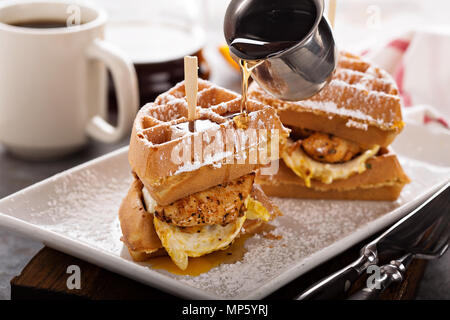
45 277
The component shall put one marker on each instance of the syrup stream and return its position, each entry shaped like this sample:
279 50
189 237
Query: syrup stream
247 67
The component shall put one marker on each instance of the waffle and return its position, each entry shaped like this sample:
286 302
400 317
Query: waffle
137 225
383 181
158 135
361 103
139 233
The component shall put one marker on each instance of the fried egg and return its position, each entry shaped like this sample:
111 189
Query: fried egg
182 243
307 168
256 210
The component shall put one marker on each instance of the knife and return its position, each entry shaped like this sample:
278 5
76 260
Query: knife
423 233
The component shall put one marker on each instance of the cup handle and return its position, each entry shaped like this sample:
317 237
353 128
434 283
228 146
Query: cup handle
125 82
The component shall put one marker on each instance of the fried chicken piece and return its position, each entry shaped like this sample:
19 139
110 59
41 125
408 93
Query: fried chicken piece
218 205
328 148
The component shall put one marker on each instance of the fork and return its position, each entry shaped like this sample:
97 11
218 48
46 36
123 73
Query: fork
432 245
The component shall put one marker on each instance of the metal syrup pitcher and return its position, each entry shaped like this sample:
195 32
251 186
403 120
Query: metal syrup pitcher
289 43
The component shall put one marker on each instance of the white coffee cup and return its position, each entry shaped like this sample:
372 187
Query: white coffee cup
53 81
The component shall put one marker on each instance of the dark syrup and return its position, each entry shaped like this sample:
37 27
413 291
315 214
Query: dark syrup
40 24
256 30
260 34
246 69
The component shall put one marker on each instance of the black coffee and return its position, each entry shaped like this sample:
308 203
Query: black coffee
261 28
41 24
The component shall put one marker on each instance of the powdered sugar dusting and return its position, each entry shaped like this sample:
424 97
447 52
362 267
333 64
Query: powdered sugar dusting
86 217
307 227
355 124
332 108
358 90
82 205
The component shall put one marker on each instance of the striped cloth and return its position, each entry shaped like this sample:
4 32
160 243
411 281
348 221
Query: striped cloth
420 64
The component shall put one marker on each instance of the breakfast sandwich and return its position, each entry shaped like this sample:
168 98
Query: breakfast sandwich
193 207
339 142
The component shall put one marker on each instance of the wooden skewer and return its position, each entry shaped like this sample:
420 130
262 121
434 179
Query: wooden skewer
191 88
331 12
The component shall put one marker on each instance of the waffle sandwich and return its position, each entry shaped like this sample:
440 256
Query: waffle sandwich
339 142
187 203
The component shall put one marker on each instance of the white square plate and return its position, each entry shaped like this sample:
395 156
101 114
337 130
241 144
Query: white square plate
76 212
